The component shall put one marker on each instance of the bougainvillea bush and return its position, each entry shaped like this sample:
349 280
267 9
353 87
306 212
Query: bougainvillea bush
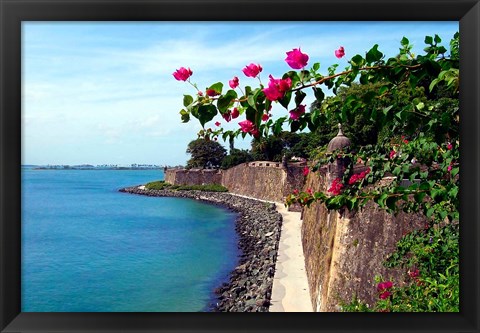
414 103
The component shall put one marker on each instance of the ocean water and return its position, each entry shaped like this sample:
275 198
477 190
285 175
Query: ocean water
88 248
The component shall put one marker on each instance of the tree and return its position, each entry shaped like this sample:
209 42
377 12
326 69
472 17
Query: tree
236 157
205 154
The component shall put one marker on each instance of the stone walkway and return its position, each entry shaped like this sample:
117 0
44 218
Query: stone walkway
290 292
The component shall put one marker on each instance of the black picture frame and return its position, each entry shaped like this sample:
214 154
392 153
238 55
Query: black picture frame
13 12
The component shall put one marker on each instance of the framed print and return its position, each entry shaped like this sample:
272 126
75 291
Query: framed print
321 142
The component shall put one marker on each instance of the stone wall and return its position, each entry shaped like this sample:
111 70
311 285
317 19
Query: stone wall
263 180
345 250
260 179
193 176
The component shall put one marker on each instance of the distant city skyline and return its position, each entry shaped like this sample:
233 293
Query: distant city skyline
103 93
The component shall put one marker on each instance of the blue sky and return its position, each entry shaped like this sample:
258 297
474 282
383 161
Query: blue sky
103 93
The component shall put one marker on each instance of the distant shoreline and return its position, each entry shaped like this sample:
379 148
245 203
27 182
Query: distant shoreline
258 228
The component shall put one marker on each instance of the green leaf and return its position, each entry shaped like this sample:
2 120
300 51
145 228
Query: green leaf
419 196
437 39
277 127
206 113
185 116
429 40
226 101
391 203
319 94
316 66
357 60
217 87
299 96
294 126
382 90
404 42
286 99
430 212
374 55
187 100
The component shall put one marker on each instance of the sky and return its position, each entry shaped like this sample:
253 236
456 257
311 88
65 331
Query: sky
103 92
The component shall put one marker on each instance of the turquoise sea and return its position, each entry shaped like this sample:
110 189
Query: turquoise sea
88 248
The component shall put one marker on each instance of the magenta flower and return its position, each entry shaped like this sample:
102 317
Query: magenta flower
306 170
449 168
252 70
336 187
227 116
182 74
358 176
265 117
449 146
382 286
199 93
310 191
385 295
392 154
217 123
295 191
296 59
233 83
212 92
235 113
340 52
414 274
297 112
246 126
276 88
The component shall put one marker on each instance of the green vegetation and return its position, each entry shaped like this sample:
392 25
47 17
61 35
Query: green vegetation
205 154
162 185
402 114
236 157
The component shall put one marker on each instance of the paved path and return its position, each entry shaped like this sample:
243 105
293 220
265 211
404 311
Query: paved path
290 292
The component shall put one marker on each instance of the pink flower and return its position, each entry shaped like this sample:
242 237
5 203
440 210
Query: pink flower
227 116
449 168
296 59
336 187
235 113
295 191
449 146
414 274
182 74
248 127
233 83
252 70
340 52
212 92
199 93
358 177
306 170
276 88
309 191
265 117
392 154
385 295
382 286
297 112
217 123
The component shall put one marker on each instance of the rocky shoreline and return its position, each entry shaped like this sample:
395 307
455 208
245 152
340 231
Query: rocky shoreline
258 227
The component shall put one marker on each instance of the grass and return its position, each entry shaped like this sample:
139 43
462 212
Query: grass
162 185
